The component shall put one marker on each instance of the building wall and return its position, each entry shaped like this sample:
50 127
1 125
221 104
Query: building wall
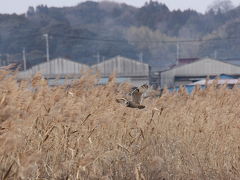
202 67
133 81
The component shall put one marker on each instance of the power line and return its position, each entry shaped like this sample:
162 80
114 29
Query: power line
140 41
110 40
177 42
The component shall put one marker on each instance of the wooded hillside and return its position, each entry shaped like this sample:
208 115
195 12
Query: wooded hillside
111 29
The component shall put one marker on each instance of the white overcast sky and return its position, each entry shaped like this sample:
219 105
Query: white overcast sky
21 6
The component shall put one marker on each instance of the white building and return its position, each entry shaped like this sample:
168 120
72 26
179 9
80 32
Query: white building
126 70
58 71
59 67
189 73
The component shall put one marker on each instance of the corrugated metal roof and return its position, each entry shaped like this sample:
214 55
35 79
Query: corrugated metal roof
197 61
122 66
234 62
182 61
56 67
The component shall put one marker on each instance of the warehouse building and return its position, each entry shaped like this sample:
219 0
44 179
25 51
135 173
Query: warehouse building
59 67
56 71
197 70
126 70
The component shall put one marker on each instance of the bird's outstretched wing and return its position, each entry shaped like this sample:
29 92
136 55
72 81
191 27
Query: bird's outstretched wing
136 94
143 88
8 67
130 104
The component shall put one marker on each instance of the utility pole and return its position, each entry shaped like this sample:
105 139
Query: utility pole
103 60
98 58
178 48
47 53
8 59
24 60
47 46
215 54
141 57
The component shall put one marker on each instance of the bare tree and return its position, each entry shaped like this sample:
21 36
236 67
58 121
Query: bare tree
221 5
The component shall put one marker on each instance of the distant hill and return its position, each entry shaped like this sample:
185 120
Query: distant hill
109 28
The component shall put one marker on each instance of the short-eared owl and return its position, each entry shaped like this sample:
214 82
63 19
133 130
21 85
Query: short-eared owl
137 97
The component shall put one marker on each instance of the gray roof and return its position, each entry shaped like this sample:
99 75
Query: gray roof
56 67
234 62
123 67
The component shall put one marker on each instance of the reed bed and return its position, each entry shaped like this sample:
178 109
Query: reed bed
80 132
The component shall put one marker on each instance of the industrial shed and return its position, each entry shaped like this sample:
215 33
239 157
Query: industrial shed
56 71
127 69
56 68
195 71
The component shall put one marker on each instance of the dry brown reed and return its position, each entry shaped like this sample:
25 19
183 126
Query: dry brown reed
80 132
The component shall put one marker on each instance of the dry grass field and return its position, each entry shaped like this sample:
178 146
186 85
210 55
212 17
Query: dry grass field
80 132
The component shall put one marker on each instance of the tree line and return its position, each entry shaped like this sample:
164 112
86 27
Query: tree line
110 29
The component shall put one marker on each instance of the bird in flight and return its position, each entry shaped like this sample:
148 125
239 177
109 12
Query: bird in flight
136 97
